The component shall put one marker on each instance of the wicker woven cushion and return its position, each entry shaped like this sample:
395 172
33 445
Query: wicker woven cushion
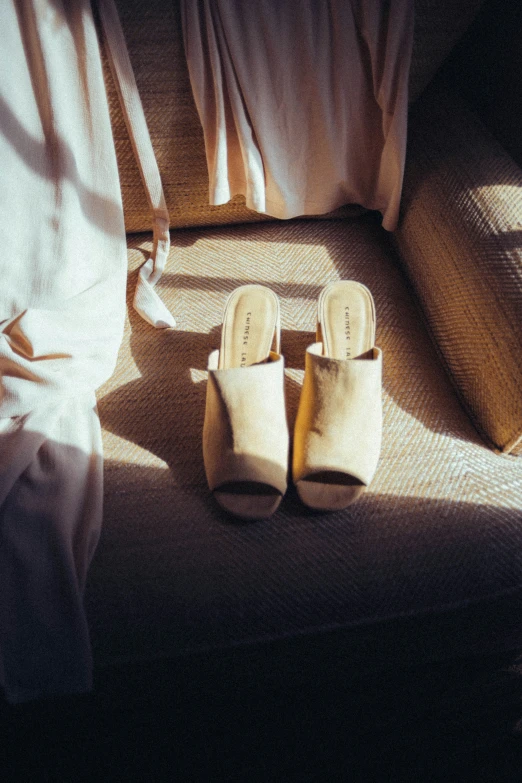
460 238
154 39
439 529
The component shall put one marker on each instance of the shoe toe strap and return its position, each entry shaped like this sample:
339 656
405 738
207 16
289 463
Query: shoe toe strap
245 436
339 422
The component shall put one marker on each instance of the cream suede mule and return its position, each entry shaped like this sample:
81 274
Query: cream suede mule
245 434
337 437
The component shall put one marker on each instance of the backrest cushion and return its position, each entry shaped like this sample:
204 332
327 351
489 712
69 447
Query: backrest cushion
460 240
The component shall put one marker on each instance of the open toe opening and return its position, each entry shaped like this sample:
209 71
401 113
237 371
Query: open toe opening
330 490
248 499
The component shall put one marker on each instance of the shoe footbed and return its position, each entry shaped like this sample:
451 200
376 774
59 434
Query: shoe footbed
346 320
250 321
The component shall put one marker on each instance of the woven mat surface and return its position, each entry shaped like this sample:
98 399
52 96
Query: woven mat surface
440 527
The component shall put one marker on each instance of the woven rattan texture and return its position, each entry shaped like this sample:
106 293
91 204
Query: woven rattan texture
154 40
461 239
440 526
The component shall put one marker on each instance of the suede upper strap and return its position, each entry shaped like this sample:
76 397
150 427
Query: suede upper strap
339 421
245 437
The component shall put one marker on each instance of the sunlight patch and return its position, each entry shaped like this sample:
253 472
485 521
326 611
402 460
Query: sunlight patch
197 376
124 451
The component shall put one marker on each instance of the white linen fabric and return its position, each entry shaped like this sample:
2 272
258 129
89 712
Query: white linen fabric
303 103
63 274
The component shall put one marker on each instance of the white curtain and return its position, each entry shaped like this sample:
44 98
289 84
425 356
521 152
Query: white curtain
62 297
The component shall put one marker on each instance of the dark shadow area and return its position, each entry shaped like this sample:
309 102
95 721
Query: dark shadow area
485 68
256 686
50 519
455 721
174 576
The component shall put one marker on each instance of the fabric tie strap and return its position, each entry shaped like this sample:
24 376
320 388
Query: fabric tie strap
146 299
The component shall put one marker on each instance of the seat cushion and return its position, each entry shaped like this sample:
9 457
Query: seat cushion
439 530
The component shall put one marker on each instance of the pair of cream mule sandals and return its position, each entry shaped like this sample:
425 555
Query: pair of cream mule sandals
337 436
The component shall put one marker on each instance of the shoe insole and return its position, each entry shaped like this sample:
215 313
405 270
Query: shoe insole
346 320
250 320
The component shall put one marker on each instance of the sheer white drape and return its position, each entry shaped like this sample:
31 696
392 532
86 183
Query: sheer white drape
63 273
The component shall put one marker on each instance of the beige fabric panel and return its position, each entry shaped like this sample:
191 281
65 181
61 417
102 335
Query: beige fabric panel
302 130
460 240
172 571
154 39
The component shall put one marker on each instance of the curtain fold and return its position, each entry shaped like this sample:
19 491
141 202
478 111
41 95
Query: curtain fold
303 104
